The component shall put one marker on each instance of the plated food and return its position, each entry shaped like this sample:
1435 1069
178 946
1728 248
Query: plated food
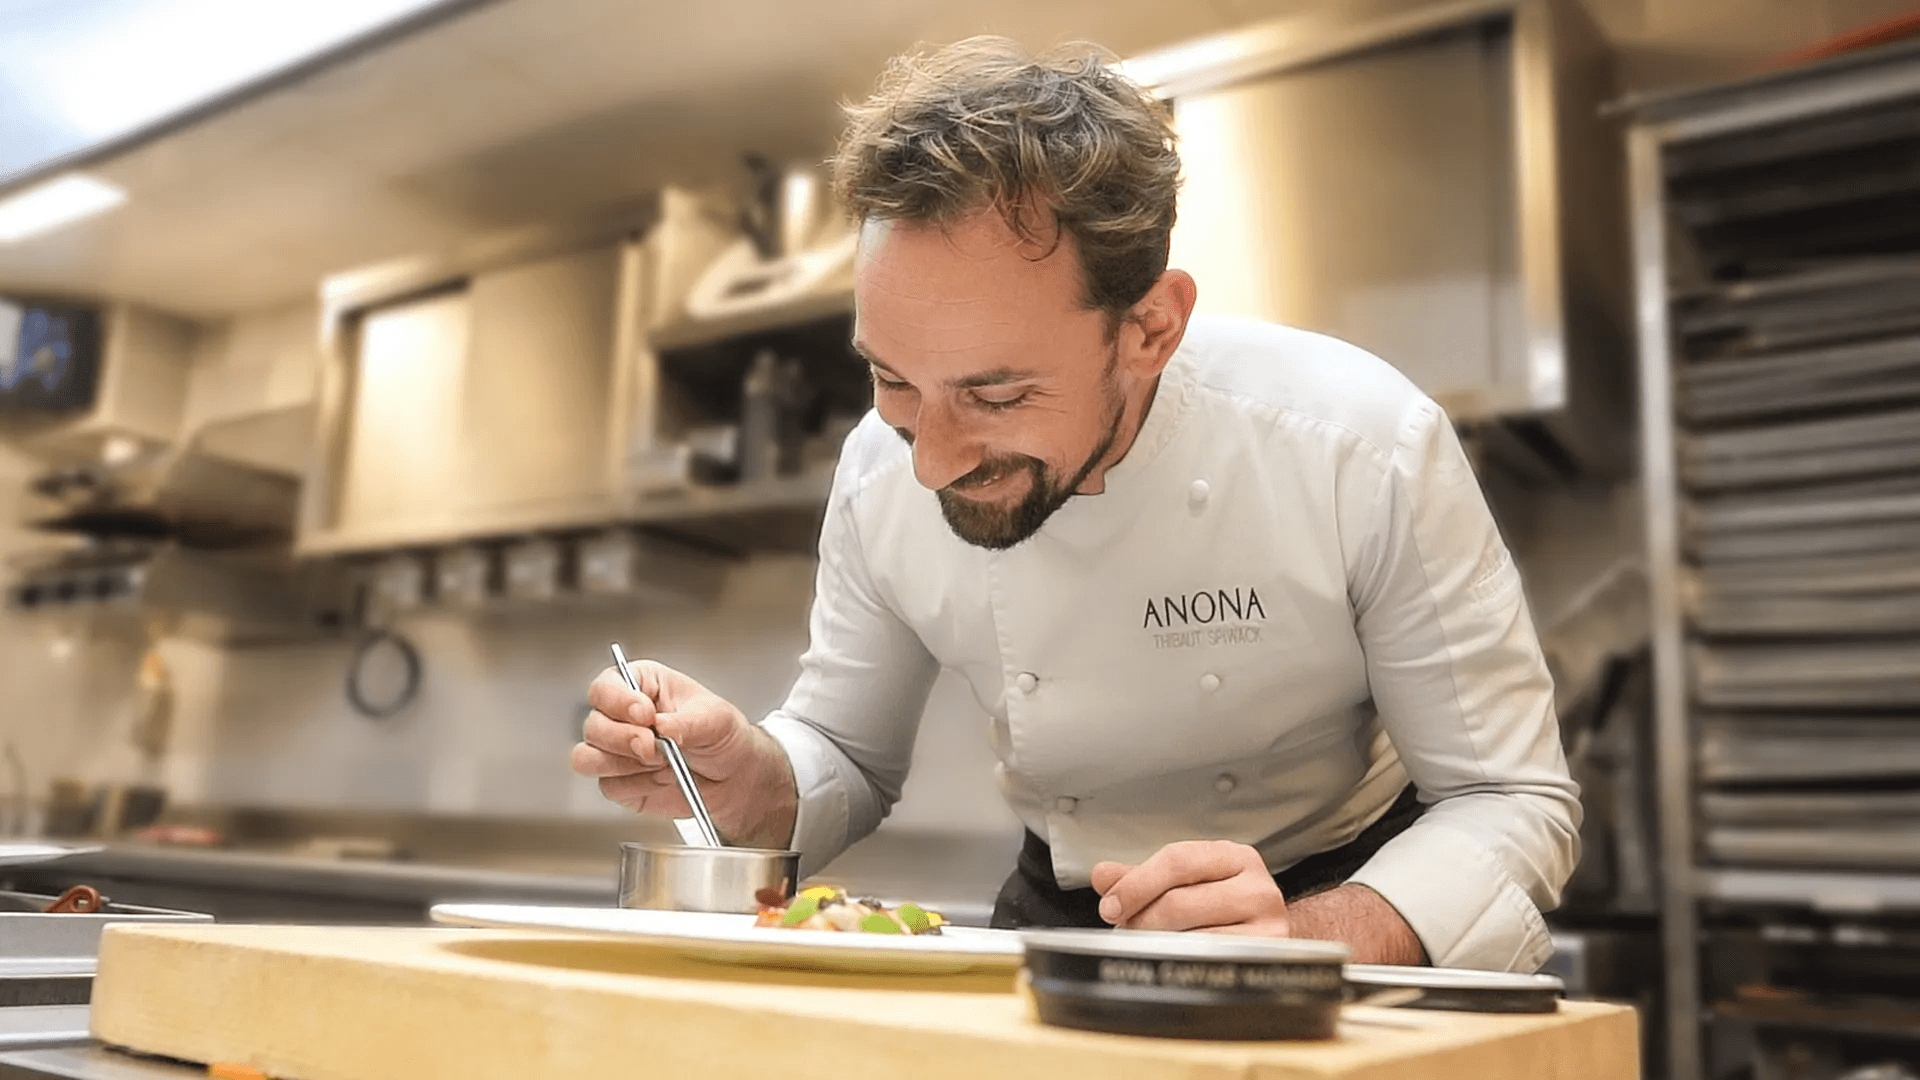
826 907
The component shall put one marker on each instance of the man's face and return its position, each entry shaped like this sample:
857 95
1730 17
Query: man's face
986 362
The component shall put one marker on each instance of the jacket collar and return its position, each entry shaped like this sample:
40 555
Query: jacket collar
1089 519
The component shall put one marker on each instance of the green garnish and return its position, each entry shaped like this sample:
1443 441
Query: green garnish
877 923
800 911
915 918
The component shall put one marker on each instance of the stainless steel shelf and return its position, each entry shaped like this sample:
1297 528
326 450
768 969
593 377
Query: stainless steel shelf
781 509
1877 1020
1824 891
687 334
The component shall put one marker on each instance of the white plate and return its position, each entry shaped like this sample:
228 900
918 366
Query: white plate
734 939
30 854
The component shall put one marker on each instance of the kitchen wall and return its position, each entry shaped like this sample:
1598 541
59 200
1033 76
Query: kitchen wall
60 688
503 696
501 703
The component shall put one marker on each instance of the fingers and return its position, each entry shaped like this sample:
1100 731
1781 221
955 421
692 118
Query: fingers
588 760
678 707
609 696
1107 874
621 740
1246 902
1189 862
649 794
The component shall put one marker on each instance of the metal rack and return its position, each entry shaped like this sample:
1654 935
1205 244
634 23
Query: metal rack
1776 228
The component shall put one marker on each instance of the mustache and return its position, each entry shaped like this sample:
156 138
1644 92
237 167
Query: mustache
989 469
994 469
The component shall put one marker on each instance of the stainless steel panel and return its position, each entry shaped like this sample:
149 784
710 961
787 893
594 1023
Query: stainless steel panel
1319 33
488 407
1406 176
403 439
535 392
1371 198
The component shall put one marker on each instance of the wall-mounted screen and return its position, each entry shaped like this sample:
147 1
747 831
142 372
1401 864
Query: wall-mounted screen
49 356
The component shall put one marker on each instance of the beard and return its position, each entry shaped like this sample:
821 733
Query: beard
998 528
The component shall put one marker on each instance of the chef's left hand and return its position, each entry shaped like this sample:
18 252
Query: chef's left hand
1194 885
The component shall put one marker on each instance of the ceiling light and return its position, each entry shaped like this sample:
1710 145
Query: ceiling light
60 201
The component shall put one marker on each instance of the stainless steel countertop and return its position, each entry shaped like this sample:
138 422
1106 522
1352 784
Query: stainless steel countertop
344 877
955 873
88 1060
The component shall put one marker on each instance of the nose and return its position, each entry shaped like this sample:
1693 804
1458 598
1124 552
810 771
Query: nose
942 450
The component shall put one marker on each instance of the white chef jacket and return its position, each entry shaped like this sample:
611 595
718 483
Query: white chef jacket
1290 599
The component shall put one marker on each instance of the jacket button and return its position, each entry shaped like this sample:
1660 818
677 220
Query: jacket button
1026 681
1209 682
1065 804
1197 491
1225 783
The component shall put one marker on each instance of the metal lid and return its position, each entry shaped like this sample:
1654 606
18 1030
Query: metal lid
1191 945
1428 978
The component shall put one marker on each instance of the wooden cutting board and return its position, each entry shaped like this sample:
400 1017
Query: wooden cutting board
354 1003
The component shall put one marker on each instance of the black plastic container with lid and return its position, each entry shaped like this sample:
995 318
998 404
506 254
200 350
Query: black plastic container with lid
1186 986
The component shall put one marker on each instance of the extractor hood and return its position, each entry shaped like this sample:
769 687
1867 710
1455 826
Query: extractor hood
1431 181
182 492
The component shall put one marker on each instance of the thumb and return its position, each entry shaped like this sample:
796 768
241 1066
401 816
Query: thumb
697 725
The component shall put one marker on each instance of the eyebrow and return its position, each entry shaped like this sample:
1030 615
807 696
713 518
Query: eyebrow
999 376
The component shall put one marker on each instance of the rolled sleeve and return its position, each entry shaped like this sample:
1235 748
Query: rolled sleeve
1481 919
849 723
1463 691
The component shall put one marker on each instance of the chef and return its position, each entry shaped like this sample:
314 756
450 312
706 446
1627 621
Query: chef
1253 654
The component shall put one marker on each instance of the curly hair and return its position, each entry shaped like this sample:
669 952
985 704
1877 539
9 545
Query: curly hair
983 123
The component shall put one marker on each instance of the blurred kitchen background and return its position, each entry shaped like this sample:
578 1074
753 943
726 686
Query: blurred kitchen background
366 367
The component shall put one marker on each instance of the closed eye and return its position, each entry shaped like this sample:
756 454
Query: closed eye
998 398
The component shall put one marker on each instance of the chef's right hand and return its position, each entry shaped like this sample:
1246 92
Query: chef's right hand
743 773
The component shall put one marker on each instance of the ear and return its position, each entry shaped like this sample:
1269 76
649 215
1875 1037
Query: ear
1156 325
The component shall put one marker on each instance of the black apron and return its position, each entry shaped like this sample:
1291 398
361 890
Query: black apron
1033 897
